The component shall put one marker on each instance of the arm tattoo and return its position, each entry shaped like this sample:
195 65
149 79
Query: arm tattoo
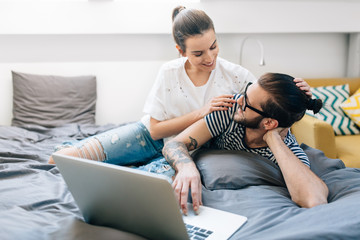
193 144
176 152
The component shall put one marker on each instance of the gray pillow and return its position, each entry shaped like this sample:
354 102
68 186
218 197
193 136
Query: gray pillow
52 101
319 163
225 169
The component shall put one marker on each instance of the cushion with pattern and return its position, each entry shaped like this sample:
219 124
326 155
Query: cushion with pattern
352 107
332 113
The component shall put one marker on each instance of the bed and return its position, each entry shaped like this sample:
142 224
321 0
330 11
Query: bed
36 204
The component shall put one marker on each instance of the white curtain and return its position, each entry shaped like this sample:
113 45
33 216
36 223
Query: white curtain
353 65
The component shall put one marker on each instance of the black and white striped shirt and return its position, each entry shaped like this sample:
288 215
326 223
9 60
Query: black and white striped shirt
230 135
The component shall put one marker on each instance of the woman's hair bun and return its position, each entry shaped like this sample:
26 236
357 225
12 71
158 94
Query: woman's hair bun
314 104
176 11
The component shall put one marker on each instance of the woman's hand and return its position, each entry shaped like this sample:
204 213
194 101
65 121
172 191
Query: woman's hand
220 103
303 85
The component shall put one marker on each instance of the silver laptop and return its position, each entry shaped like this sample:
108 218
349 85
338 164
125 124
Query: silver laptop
139 202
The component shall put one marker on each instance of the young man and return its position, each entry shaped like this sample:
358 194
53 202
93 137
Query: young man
259 122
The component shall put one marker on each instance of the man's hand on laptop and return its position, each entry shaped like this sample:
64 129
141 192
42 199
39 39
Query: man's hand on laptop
187 178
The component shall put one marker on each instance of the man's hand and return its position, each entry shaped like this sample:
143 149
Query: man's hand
176 152
277 132
306 189
187 177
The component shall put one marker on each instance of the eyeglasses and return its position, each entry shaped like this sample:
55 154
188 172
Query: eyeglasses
246 105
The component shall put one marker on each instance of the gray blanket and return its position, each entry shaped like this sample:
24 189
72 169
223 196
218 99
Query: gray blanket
252 186
35 202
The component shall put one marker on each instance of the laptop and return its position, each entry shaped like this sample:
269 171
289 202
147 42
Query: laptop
139 202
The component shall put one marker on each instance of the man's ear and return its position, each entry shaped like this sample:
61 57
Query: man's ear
181 52
270 123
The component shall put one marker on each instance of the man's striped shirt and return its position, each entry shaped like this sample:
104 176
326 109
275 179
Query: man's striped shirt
230 135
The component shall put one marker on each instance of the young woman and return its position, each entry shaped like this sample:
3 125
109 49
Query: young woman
186 90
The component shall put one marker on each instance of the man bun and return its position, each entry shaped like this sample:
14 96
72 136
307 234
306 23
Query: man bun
314 104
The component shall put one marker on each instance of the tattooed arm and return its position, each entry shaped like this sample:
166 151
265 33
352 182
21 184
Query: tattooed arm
187 176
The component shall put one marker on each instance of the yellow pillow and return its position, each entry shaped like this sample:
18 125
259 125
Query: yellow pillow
352 107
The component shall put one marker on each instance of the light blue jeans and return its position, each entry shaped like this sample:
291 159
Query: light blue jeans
132 144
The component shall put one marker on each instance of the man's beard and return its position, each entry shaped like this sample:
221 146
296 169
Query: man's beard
253 123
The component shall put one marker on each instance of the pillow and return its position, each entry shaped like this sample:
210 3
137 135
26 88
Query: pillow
230 169
227 169
331 111
352 107
319 163
52 101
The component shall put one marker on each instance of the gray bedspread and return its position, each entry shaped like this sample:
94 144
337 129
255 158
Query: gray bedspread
35 202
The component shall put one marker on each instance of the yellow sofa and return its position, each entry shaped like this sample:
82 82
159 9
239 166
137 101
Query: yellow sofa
319 134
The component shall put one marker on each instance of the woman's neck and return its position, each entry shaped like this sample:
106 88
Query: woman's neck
198 78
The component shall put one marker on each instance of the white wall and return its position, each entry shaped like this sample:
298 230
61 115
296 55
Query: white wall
121 86
307 55
301 38
300 54
146 16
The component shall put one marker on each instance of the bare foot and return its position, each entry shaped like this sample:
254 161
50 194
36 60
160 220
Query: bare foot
70 151
51 160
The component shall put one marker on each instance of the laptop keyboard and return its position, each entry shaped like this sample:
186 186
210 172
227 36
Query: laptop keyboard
197 233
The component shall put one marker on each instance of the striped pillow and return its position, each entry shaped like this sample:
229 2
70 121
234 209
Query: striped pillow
333 97
352 107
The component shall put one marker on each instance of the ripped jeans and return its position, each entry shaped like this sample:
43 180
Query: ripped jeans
132 144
